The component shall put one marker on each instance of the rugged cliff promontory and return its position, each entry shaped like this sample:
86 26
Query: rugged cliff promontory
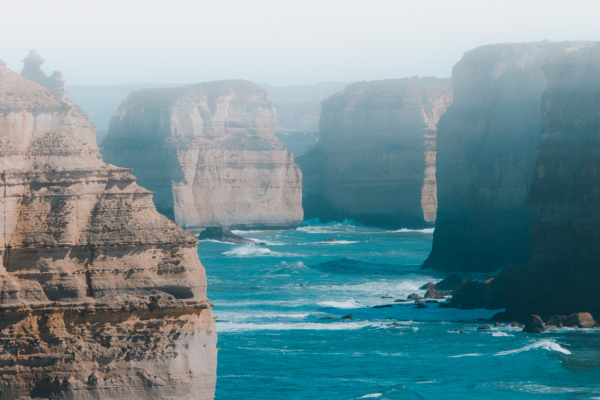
486 150
209 153
375 159
562 276
102 297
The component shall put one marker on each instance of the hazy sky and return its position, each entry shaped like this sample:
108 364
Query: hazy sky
276 41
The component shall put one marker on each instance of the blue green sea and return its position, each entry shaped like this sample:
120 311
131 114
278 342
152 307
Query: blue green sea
280 304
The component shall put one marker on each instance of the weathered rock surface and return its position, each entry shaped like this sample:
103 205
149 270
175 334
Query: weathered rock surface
534 324
209 153
375 160
486 153
563 273
222 235
102 297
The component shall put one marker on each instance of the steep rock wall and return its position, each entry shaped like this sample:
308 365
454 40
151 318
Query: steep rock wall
209 153
564 270
375 158
486 151
102 297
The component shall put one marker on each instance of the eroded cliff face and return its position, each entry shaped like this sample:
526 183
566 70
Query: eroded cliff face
375 161
209 153
102 297
564 270
486 151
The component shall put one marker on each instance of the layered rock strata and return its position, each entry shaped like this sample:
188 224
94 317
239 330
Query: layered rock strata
209 153
562 275
486 152
102 297
375 160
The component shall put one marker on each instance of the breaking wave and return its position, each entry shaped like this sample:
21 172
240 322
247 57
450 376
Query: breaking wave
541 344
341 304
252 250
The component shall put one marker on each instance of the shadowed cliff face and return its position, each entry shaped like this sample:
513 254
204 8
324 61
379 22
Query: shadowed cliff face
102 297
486 151
209 153
375 159
562 276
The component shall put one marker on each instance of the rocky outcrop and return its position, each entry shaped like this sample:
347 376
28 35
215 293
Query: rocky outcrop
102 297
563 273
375 158
486 153
222 234
209 153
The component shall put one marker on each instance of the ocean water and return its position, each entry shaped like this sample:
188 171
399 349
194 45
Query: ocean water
282 336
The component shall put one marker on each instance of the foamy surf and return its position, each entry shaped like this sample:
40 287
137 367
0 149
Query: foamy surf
341 304
466 355
371 395
541 344
255 251
426 230
306 326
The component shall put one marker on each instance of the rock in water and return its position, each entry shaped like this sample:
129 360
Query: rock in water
375 159
580 320
486 152
222 234
209 153
102 297
534 324
450 283
562 276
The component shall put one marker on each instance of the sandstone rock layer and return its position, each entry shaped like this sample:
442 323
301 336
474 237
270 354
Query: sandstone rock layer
209 153
486 152
375 161
102 297
562 276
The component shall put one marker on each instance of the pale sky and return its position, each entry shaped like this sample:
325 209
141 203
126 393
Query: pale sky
280 42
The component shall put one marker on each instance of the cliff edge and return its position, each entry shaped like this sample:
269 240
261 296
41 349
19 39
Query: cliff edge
209 153
375 160
102 297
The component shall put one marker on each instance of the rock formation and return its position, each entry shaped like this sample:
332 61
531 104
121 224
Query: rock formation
486 151
563 273
209 153
102 297
375 159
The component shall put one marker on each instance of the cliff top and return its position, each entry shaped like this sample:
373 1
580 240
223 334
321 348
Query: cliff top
17 92
166 97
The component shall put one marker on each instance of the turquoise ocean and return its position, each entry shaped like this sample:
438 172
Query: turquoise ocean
280 304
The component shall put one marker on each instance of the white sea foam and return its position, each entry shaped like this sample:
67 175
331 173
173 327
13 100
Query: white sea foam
336 242
466 355
502 334
371 395
283 326
540 344
427 230
252 250
341 304
236 232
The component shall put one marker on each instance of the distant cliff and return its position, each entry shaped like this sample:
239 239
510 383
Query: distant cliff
209 153
563 274
486 151
375 158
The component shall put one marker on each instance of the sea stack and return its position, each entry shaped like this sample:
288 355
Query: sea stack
375 160
486 153
209 154
102 297
562 276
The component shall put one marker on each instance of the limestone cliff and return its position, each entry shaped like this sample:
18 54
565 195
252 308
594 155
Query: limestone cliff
102 297
209 153
375 159
486 151
562 275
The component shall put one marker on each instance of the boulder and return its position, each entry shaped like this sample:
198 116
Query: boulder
515 324
349 316
222 234
534 324
414 296
427 286
580 320
484 328
557 320
434 294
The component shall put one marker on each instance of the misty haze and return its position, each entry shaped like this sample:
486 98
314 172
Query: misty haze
300 200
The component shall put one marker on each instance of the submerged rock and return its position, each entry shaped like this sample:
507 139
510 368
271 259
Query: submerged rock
349 316
484 328
375 158
111 293
222 234
534 324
